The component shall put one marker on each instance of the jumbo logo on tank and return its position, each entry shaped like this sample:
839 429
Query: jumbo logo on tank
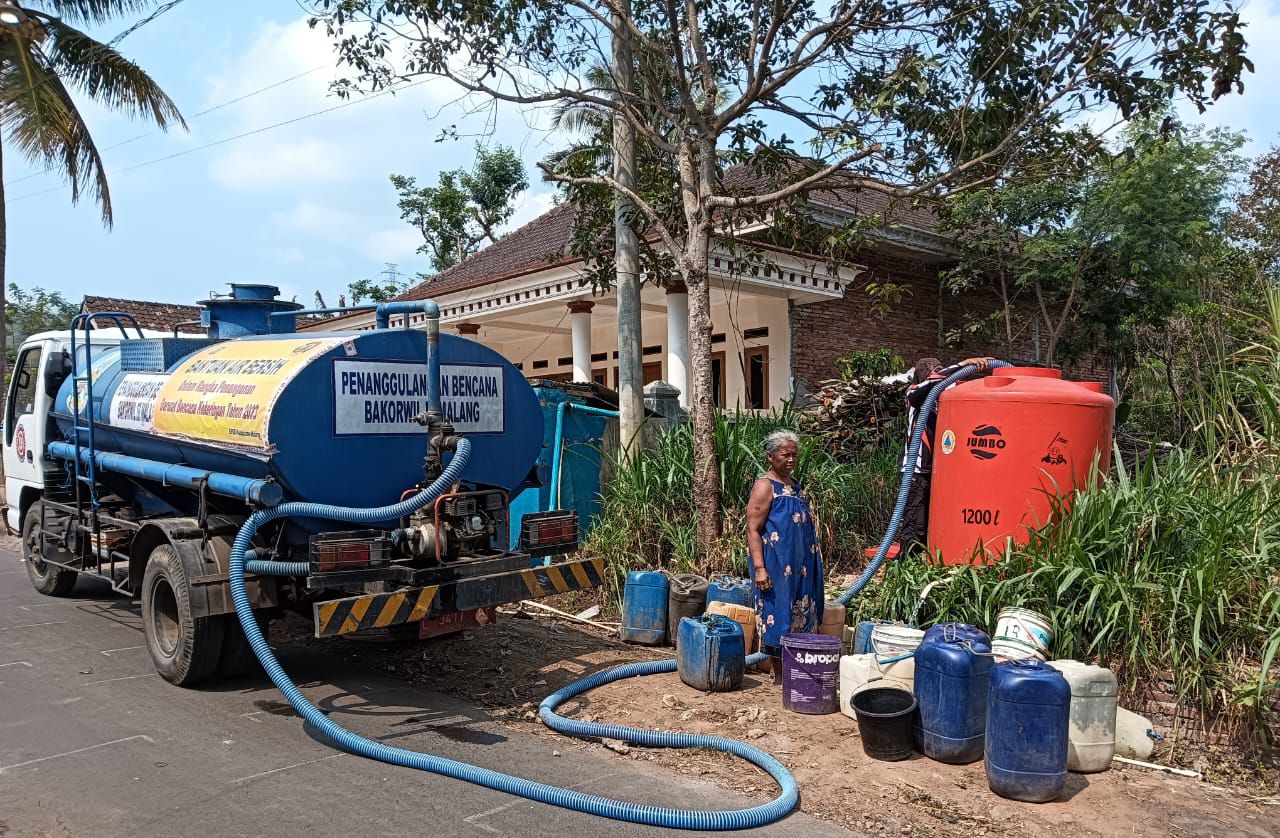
985 442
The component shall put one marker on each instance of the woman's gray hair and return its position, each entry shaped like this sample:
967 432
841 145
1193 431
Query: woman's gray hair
774 441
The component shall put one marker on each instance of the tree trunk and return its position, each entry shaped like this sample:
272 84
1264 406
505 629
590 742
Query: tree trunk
626 252
706 467
695 186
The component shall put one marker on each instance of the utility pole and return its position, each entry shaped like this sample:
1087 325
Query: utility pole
625 248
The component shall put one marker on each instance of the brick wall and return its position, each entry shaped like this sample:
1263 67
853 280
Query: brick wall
914 328
822 332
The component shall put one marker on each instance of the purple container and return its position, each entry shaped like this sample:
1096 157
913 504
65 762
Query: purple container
810 673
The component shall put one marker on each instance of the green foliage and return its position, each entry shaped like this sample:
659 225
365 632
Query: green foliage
465 208
1114 243
860 363
37 310
646 518
373 290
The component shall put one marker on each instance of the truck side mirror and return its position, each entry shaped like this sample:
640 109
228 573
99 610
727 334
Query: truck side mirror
57 366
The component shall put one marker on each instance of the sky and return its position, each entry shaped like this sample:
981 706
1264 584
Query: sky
308 206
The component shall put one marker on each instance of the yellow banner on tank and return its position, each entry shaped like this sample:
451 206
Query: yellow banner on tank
224 394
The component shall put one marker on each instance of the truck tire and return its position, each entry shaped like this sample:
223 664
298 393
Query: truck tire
48 579
238 658
185 649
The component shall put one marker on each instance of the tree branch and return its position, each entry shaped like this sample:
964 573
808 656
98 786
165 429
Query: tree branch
743 202
608 182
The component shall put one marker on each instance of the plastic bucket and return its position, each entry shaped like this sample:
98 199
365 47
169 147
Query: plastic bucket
1020 634
884 722
895 641
810 673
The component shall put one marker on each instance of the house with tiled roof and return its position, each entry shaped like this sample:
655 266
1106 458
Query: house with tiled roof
150 315
779 326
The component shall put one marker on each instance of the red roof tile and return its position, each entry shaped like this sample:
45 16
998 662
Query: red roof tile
150 315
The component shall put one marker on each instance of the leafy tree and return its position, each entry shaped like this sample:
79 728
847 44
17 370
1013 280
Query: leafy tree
1255 224
465 208
377 290
43 56
37 310
1103 243
373 290
905 97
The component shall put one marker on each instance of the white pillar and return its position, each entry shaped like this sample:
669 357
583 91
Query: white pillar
580 336
678 341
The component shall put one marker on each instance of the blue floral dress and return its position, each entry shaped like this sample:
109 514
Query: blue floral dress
794 603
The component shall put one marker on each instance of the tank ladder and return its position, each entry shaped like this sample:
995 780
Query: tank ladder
87 501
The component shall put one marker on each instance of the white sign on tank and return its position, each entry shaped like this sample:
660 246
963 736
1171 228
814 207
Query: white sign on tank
133 405
382 397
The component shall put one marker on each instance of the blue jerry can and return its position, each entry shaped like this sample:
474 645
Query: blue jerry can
644 608
729 589
1028 718
711 653
951 682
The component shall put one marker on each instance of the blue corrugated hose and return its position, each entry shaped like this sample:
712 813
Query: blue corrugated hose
913 449
543 792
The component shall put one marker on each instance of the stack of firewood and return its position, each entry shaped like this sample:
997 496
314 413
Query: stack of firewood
848 417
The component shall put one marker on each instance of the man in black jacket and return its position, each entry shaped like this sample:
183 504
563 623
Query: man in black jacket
928 373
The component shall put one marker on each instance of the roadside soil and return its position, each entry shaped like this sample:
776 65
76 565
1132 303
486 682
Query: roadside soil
509 667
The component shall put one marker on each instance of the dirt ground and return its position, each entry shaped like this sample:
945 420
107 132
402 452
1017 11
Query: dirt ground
509 667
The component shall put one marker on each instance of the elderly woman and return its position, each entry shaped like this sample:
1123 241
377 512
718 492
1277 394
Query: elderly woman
783 544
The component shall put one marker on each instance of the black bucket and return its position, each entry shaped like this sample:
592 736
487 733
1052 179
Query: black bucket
884 722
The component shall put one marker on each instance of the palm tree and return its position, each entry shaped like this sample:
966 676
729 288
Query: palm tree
42 56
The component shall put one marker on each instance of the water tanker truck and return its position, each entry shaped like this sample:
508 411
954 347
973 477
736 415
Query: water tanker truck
138 456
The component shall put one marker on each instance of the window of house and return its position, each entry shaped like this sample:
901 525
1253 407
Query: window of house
755 362
649 373
718 396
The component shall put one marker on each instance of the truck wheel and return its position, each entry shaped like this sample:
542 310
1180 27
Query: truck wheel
185 649
48 579
238 658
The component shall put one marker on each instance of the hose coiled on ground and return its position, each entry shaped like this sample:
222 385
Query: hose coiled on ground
913 450
542 792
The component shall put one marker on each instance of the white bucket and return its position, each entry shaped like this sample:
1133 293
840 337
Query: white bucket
895 641
1020 634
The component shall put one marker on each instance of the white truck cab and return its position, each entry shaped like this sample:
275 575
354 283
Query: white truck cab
42 364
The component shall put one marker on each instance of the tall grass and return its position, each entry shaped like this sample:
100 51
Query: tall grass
647 521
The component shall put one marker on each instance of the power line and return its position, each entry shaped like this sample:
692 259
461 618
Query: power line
194 116
240 136
126 33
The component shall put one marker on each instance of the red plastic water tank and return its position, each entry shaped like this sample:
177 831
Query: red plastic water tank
1003 445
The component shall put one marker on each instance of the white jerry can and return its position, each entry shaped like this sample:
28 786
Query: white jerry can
1092 734
859 672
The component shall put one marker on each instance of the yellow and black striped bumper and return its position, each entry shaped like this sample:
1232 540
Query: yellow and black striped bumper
370 611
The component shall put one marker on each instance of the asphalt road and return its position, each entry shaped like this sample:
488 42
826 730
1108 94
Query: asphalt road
93 743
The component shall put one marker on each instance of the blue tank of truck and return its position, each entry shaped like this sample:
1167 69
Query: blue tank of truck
327 415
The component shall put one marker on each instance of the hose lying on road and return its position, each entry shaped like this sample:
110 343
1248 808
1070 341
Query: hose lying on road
913 449
579 801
